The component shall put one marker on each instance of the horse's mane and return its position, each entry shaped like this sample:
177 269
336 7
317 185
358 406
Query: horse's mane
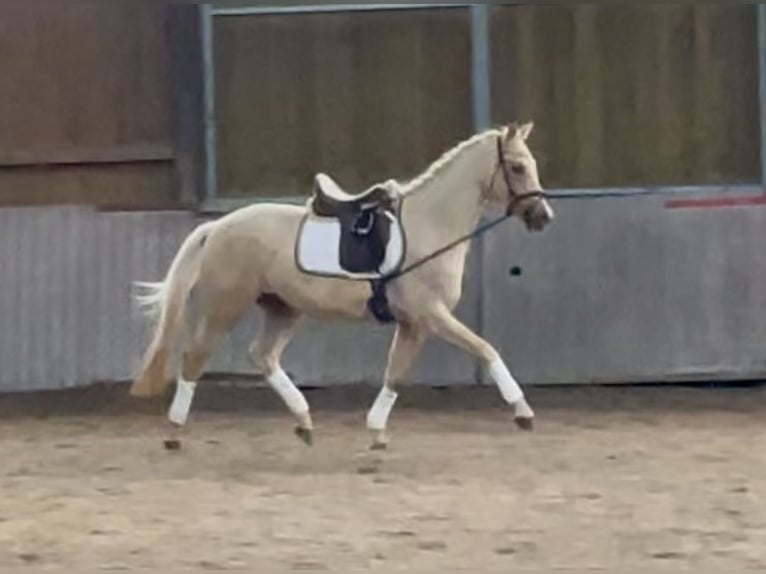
433 170
403 187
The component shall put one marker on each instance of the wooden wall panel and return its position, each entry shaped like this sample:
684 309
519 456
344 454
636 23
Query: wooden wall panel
362 96
87 82
632 94
125 186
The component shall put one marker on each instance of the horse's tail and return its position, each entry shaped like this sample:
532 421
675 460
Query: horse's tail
166 303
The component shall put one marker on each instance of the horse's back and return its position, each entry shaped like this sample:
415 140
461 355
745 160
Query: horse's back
252 234
262 222
264 212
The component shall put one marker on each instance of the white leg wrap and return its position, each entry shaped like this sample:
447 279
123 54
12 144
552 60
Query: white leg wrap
179 410
508 386
377 420
289 393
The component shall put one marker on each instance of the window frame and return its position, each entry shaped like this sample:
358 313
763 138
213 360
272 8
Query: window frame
213 202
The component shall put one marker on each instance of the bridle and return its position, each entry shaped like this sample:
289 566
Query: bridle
516 198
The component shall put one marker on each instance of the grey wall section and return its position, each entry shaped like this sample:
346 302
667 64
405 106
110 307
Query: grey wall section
623 290
66 317
618 290
65 314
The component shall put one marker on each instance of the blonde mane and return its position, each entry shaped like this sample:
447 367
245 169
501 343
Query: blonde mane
445 160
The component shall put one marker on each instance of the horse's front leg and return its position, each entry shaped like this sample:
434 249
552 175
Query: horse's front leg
446 327
405 348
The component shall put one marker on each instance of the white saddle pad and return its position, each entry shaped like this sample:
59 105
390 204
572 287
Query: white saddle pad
318 250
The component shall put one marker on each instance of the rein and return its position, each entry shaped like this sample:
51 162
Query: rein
426 260
378 304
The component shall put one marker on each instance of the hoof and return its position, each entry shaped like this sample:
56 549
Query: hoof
525 424
173 445
379 447
306 436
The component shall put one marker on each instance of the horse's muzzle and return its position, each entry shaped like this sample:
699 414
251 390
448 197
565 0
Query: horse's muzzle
537 215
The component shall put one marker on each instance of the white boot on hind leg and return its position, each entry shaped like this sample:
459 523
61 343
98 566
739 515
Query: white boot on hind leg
182 403
295 402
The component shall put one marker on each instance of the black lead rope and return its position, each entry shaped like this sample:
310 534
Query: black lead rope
378 304
470 237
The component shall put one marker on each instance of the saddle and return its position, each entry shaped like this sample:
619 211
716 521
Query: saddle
365 221
329 200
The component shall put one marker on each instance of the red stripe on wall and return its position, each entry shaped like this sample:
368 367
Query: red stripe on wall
717 202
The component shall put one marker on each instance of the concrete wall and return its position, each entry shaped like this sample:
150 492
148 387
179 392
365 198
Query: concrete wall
619 290
624 290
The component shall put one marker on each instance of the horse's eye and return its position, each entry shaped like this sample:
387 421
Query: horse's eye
518 169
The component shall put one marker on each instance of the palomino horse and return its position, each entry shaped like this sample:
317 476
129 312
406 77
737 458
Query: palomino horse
249 256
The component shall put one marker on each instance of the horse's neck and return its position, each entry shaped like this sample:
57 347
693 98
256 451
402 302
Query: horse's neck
449 205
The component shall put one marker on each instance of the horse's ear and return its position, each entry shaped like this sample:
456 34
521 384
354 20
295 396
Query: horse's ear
526 130
511 130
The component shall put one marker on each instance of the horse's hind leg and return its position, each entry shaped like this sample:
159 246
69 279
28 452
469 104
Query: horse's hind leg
279 325
208 332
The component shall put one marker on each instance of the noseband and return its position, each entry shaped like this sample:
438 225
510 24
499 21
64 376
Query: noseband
516 198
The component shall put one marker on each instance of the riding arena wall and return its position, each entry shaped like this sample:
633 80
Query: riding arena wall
123 124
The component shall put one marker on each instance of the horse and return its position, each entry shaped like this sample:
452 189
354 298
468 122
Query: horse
247 259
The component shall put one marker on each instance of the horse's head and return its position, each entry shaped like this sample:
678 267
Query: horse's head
516 182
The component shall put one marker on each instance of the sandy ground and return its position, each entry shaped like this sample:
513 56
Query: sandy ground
611 479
